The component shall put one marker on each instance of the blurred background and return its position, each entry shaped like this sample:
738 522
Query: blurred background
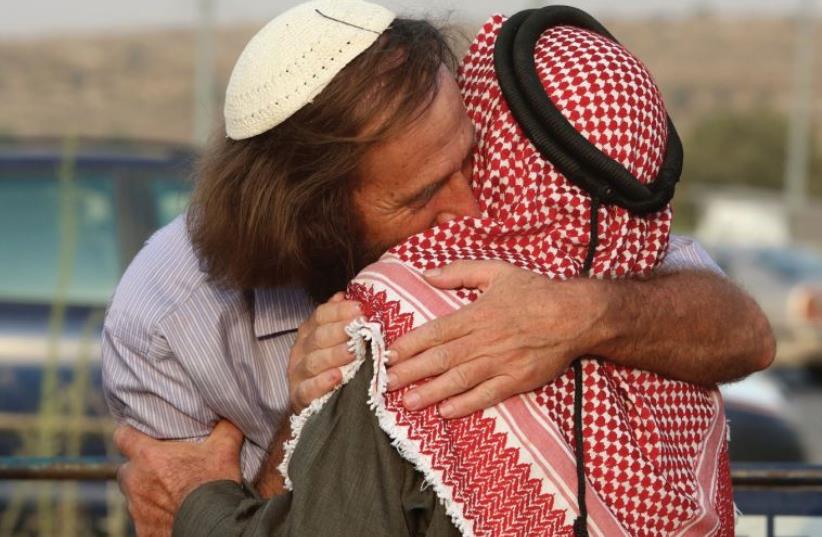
104 107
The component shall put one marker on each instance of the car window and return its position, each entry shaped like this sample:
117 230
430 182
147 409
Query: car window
33 229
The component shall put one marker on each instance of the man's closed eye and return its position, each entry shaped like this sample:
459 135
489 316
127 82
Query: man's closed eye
422 198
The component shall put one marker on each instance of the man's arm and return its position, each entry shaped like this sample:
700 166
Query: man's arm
313 370
348 478
526 329
190 489
160 474
145 385
689 325
270 481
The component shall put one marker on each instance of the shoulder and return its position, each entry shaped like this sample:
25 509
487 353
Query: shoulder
164 277
679 242
687 253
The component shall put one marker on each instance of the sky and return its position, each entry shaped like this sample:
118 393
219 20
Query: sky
45 17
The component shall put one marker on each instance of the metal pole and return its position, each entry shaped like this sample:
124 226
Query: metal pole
798 150
58 468
204 98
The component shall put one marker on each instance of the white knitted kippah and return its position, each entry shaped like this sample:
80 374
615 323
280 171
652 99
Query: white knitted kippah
294 57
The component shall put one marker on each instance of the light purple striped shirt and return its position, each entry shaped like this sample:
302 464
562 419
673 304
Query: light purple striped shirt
180 353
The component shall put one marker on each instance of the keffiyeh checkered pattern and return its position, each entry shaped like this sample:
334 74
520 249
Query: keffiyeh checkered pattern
536 218
655 449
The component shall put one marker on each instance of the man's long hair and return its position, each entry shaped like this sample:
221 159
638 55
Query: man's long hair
276 209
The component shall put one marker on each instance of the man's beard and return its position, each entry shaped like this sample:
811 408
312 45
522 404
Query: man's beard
333 270
370 253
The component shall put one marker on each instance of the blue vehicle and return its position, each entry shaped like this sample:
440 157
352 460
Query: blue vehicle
72 216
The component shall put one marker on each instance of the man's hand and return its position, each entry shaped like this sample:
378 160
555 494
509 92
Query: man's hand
523 332
526 329
320 350
160 474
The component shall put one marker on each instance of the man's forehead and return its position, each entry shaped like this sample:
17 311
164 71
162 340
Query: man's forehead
423 160
432 138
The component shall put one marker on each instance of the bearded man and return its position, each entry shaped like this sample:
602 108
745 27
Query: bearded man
346 133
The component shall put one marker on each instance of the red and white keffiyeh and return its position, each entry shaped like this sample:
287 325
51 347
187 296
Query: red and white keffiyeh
655 449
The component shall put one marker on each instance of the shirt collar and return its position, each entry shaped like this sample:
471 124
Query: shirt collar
279 310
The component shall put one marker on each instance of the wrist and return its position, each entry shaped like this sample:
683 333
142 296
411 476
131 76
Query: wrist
611 315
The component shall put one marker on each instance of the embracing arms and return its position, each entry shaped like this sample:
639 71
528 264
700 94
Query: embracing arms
348 479
525 330
685 322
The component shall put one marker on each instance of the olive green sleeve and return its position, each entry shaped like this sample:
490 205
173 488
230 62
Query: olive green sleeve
228 509
349 481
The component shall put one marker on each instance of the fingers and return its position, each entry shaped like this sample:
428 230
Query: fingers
325 336
224 445
318 374
432 334
337 311
314 388
452 382
123 478
324 359
328 335
226 433
321 348
465 274
485 395
129 440
430 363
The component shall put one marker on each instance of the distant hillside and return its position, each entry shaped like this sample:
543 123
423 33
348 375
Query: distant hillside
141 85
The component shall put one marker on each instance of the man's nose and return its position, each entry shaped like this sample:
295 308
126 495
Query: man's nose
459 202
